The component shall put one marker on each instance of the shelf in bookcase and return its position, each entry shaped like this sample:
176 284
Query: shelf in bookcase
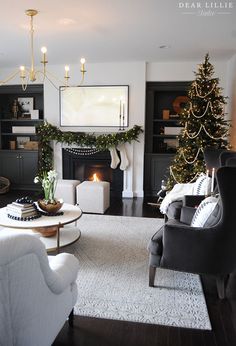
166 120
25 134
18 150
22 120
164 136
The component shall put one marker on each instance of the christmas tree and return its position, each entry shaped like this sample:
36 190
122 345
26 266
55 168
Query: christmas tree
203 119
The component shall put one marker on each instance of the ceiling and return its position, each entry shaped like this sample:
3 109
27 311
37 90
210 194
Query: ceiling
116 30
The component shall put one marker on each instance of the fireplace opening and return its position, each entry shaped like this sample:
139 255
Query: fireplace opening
78 165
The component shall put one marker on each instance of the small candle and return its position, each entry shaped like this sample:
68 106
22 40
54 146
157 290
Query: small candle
82 61
67 69
212 179
207 178
44 51
22 71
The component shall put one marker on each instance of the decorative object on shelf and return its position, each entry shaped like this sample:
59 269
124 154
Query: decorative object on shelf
22 141
4 185
179 103
31 74
49 181
12 145
31 145
47 133
26 104
34 114
166 114
15 109
171 143
204 124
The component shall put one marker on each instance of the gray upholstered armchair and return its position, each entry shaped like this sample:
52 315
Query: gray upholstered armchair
200 250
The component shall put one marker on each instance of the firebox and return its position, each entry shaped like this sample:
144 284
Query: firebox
82 164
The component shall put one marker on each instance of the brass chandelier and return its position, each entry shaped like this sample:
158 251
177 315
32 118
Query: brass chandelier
27 74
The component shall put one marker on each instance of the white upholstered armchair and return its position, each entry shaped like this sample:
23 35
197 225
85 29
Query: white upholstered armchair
37 292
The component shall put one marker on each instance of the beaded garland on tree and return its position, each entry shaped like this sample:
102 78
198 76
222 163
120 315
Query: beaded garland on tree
203 124
47 133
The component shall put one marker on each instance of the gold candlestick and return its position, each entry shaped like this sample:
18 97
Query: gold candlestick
123 118
120 118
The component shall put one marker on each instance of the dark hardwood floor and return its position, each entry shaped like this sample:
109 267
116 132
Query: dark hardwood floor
99 332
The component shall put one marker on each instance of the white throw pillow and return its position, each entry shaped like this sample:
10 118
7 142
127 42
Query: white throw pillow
202 185
204 211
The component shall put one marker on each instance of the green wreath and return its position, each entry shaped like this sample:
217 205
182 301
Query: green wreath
47 133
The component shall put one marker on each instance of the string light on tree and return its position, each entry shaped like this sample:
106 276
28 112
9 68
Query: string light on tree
203 119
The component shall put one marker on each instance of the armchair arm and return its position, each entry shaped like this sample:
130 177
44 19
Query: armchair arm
192 249
58 275
186 214
64 271
193 200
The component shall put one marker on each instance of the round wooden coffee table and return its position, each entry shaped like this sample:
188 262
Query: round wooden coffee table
64 236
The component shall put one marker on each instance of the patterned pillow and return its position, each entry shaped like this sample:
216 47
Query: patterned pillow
202 185
207 213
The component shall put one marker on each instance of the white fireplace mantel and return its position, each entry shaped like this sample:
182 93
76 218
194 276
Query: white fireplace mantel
128 173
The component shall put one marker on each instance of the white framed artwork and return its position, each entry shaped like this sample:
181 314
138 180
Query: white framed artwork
94 106
26 103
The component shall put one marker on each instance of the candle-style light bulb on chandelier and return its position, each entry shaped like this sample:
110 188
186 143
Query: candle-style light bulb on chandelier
31 74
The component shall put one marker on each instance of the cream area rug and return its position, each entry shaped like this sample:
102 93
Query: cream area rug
113 276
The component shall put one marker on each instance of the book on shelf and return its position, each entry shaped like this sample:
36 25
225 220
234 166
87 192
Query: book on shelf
23 129
172 130
174 116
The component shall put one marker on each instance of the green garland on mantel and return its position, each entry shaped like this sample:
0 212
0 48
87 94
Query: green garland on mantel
47 133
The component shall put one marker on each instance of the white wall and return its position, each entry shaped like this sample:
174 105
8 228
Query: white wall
231 90
132 74
231 84
182 71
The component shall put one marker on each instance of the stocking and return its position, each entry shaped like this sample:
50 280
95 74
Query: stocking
123 155
114 158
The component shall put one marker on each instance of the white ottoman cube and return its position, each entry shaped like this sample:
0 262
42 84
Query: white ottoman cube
66 189
93 196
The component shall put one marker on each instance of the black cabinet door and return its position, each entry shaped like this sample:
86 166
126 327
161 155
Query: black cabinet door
28 168
156 170
10 166
19 167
